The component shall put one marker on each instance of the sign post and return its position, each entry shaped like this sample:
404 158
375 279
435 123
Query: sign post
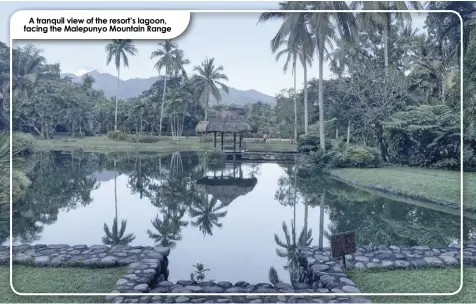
342 244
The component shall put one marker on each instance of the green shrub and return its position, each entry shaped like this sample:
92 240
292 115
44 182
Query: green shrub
356 156
117 135
317 160
310 142
423 136
145 139
23 143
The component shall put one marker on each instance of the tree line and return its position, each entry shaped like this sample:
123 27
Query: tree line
381 66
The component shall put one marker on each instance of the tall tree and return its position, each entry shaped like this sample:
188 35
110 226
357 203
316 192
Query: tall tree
295 28
208 81
170 58
118 49
291 52
327 28
384 20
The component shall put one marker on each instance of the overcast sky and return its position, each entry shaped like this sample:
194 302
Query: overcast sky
233 39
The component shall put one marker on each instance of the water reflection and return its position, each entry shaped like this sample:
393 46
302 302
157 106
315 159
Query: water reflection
238 219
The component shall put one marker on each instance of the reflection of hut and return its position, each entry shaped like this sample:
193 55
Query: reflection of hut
226 189
226 122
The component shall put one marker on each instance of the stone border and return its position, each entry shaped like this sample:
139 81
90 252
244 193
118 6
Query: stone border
327 272
148 273
398 192
147 265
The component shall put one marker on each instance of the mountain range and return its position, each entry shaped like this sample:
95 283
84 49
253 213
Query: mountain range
133 87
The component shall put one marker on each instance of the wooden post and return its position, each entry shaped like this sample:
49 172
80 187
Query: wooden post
241 136
215 140
222 141
234 142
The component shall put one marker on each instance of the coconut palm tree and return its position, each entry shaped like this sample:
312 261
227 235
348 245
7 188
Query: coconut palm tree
207 214
295 28
384 20
167 230
28 66
327 28
170 58
116 235
293 51
118 49
290 249
208 81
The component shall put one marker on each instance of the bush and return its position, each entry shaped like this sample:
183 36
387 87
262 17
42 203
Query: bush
356 156
145 139
423 136
23 143
117 135
317 160
310 142
341 156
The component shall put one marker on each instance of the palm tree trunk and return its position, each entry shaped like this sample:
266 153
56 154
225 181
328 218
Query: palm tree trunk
206 103
321 220
295 104
385 45
348 132
306 213
117 94
322 139
294 196
115 188
305 100
162 104
443 98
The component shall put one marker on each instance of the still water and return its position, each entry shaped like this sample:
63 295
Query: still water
236 219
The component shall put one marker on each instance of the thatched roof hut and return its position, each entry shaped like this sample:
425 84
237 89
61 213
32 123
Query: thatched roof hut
201 127
227 189
229 122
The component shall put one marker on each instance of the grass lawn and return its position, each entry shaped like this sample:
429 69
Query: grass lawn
166 144
417 281
35 279
432 184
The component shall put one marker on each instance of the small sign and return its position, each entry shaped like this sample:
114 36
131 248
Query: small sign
343 243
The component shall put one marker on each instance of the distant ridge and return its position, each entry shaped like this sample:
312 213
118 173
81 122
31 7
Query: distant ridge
133 87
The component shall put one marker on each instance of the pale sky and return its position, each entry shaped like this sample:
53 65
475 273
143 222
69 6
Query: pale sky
233 39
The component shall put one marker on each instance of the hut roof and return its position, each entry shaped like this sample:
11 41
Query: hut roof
227 189
201 127
230 122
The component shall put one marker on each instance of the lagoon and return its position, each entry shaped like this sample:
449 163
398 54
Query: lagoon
224 216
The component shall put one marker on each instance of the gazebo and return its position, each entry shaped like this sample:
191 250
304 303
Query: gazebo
226 122
227 189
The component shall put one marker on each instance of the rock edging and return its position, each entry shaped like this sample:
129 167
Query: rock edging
321 265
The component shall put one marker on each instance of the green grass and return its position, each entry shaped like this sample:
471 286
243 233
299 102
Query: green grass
166 144
417 281
29 279
431 184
